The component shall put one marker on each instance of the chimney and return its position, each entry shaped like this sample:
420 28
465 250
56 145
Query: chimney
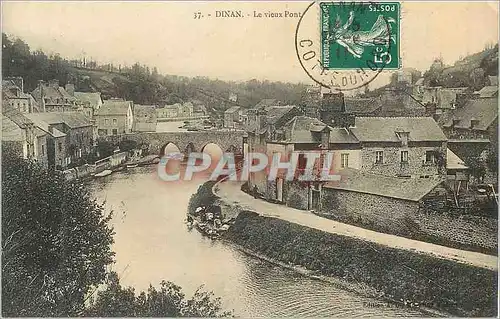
70 88
54 83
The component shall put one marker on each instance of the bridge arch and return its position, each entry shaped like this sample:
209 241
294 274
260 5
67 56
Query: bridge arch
169 147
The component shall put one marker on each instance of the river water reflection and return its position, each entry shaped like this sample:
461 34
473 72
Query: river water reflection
152 244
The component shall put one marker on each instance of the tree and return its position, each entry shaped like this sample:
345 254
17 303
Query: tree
477 167
127 145
168 301
105 148
55 242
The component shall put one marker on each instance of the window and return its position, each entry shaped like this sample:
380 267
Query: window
43 150
429 157
115 131
344 160
114 121
59 147
106 121
379 157
404 156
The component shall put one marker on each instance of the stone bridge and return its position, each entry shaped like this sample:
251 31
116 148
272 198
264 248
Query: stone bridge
187 142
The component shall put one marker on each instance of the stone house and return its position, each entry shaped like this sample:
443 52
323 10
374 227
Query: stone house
53 98
473 127
88 102
76 127
401 146
443 99
145 119
18 132
115 117
367 198
233 117
55 144
13 93
177 110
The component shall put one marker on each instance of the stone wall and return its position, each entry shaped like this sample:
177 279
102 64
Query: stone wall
408 219
392 165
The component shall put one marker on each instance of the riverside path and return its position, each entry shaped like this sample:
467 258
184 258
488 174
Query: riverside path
230 192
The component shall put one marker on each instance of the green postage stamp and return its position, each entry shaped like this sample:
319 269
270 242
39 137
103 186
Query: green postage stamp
360 35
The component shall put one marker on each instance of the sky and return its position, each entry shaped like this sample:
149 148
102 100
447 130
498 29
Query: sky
166 35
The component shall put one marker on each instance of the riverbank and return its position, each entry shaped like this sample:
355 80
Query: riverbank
393 274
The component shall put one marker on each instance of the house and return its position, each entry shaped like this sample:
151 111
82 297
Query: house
145 119
473 127
53 98
233 117
177 110
78 132
18 132
443 99
12 91
114 117
488 91
89 102
55 144
401 146
369 197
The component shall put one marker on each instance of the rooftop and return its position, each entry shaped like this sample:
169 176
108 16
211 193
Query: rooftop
411 189
72 119
488 91
92 98
114 107
232 109
383 129
484 111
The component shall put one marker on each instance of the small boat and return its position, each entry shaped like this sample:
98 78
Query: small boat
132 165
106 172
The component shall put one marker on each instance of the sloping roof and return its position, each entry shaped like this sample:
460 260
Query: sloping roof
488 91
52 92
382 129
10 130
361 105
44 126
114 107
484 110
92 98
298 129
232 110
39 132
340 135
411 189
453 161
72 119
20 119
275 113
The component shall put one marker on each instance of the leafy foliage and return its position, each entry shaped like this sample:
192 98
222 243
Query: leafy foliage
55 242
168 301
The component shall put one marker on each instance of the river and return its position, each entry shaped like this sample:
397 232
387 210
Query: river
152 243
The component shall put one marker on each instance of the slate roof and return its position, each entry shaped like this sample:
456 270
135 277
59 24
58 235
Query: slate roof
484 110
114 107
141 110
20 119
382 129
10 130
72 119
44 126
301 129
361 105
410 189
275 113
488 91
52 92
91 98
